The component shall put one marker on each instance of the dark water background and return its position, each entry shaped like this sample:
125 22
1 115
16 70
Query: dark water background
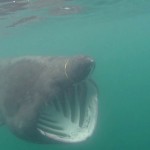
116 33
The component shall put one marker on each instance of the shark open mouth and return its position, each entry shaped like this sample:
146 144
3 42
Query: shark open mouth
71 116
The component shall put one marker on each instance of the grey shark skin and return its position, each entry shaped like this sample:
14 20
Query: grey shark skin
31 85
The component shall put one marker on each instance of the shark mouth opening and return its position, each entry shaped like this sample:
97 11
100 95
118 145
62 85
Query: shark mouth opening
71 117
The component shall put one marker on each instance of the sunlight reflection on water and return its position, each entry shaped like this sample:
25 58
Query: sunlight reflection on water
19 12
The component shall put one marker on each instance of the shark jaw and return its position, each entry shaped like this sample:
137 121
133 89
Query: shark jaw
70 117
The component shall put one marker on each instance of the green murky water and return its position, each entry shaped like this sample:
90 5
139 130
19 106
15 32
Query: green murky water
117 35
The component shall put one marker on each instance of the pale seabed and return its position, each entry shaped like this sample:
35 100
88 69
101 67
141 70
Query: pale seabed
116 34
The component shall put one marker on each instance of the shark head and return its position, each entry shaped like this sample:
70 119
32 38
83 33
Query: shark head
50 99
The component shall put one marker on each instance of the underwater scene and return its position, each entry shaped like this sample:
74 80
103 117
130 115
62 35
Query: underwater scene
75 74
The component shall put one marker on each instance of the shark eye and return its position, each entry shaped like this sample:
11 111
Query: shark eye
70 117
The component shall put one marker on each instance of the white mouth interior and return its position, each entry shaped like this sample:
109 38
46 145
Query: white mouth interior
72 116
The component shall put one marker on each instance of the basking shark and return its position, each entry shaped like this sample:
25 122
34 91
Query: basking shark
48 99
